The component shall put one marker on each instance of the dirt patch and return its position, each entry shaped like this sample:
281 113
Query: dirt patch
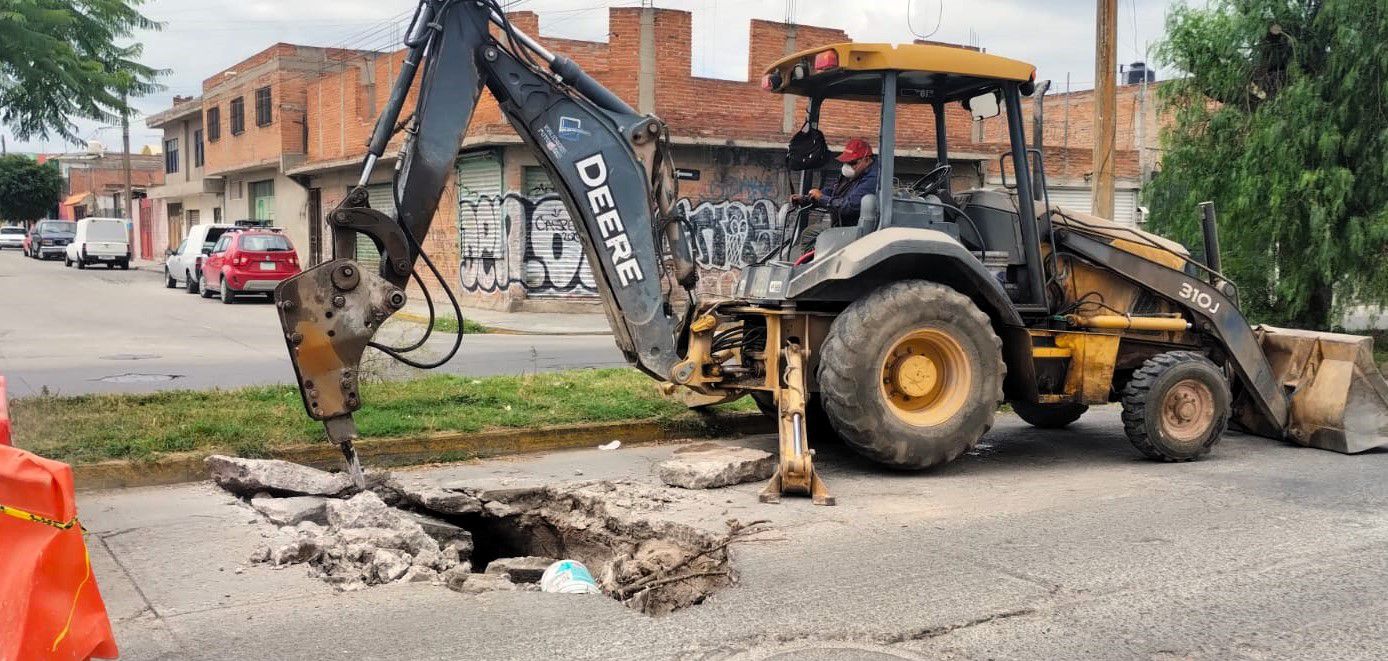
450 534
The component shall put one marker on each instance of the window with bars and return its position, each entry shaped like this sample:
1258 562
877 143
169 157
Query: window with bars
238 116
214 123
263 114
171 155
197 148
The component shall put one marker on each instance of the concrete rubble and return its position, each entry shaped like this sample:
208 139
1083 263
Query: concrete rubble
418 531
291 510
712 465
525 569
246 477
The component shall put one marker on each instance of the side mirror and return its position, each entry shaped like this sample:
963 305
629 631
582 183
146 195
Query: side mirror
983 106
207 251
168 252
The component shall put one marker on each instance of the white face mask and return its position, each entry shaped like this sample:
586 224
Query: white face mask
847 170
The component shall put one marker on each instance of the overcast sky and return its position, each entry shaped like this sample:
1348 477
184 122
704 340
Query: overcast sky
204 36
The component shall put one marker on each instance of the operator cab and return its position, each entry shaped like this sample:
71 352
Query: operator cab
899 80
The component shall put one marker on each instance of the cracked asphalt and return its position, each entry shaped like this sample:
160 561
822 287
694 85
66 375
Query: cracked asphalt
1041 544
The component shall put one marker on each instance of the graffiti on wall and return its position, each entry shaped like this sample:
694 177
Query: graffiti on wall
728 234
552 260
731 234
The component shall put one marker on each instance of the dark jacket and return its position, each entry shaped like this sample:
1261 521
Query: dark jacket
845 202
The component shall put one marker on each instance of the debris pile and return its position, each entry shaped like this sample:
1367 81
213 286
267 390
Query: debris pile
479 540
711 465
366 542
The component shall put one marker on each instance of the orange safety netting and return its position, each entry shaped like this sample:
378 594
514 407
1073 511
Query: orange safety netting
50 607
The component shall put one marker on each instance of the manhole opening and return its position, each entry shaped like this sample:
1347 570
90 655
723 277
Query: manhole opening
647 562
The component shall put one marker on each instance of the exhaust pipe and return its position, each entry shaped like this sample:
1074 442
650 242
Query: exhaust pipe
1207 224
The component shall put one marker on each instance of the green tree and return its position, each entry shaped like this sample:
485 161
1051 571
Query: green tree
61 60
28 191
1281 119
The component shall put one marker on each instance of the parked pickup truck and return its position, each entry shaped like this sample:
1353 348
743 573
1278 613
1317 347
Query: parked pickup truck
99 241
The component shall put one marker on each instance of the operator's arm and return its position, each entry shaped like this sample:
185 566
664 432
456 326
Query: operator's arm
848 204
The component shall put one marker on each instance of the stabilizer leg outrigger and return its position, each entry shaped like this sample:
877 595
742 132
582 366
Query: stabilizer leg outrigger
795 474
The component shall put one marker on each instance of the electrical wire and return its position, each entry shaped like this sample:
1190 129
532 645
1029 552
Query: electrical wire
939 20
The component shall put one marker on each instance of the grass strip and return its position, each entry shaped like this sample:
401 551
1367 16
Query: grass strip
252 421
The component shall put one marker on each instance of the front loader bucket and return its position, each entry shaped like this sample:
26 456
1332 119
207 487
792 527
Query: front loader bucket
1339 400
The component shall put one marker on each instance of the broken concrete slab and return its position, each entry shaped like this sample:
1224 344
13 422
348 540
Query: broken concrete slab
433 497
479 583
711 465
364 510
387 565
291 510
418 574
442 531
456 576
246 477
524 569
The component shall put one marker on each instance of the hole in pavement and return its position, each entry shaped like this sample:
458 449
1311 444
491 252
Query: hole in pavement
650 564
139 378
616 529
131 356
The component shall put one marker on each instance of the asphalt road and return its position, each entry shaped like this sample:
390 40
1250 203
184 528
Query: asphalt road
76 332
1040 545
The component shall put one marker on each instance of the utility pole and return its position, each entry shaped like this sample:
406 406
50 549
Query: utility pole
1105 102
125 142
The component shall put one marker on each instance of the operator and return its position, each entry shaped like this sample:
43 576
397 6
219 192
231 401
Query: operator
844 203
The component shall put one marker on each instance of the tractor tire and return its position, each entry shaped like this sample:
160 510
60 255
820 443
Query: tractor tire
1049 416
911 374
1176 407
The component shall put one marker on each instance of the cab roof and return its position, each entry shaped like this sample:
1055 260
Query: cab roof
928 73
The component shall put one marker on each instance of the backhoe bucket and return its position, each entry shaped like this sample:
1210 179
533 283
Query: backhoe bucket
1339 400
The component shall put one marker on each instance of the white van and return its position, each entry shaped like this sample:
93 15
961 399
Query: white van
99 241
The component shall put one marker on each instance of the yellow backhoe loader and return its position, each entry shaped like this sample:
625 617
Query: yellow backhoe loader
900 329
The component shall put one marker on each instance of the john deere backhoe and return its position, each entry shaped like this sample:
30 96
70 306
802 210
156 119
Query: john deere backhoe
900 333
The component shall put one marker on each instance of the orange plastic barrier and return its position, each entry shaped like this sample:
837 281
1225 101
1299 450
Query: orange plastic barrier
4 415
51 606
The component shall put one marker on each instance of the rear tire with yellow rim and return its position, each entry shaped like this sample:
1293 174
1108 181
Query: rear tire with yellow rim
911 374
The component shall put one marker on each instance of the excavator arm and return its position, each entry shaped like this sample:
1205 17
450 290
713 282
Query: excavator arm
610 165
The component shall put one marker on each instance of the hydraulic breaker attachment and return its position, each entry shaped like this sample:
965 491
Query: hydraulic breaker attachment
796 473
1339 400
329 314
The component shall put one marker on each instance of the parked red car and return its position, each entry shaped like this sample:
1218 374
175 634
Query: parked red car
248 262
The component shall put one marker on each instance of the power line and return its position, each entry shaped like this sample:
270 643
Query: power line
939 20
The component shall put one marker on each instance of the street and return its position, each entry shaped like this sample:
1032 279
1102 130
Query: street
71 332
1040 544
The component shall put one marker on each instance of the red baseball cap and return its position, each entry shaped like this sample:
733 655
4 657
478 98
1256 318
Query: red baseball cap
855 149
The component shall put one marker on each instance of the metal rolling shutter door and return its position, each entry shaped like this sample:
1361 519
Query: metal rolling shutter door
381 199
1080 199
556 267
479 208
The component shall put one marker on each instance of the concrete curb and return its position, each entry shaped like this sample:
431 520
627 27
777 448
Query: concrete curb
436 448
498 330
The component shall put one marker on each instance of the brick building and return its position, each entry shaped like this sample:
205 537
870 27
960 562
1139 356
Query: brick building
501 234
94 181
188 196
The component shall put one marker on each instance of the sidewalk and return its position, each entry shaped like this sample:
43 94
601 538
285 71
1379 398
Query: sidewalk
518 323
